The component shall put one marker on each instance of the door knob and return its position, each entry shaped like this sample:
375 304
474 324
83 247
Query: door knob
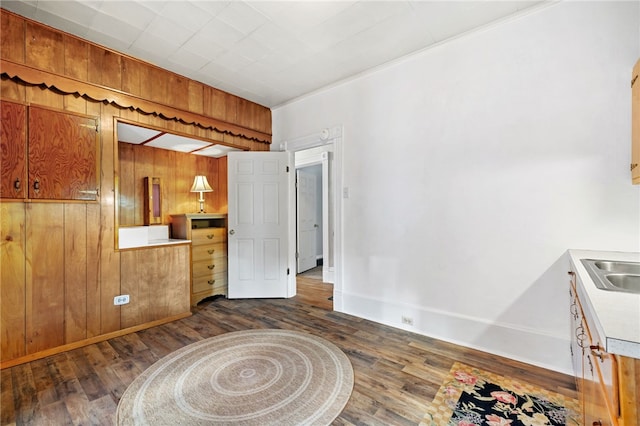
232 232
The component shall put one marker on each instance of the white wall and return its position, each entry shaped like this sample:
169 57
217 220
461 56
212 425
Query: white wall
472 167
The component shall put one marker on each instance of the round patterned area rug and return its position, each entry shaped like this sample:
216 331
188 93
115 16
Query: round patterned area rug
254 377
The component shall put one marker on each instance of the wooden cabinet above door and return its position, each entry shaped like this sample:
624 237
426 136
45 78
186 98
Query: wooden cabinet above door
13 148
63 155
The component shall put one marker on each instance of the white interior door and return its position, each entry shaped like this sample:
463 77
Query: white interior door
258 222
307 223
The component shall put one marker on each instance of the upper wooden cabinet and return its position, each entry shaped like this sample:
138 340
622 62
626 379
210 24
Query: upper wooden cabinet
13 138
48 154
63 155
635 126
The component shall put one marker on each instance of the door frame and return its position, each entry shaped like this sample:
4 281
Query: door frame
322 159
328 136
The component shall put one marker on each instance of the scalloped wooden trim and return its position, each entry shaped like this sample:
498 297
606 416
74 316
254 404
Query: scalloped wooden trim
68 86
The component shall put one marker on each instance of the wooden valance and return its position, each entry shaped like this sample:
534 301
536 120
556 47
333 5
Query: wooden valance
68 86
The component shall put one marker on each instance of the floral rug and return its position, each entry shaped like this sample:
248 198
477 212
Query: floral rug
473 397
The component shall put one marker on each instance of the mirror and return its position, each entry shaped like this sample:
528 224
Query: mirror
152 201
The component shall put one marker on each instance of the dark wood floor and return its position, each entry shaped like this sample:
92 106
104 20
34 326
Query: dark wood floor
397 373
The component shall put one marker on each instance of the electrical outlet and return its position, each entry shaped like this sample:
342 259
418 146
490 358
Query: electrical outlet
407 320
123 299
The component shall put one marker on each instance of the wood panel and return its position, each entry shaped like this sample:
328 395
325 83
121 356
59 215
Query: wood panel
63 155
109 272
105 67
126 170
178 92
94 242
12 280
196 97
12 34
75 272
44 276
629 390
215 103
157 281
11 91
13 148
44 48
76 58
221 199
40 95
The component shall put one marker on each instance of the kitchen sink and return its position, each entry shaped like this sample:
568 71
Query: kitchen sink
614 275
618 267
627 282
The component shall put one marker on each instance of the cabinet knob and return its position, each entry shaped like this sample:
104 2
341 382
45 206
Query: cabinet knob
210 251
211 266
210 236
211 282
597 423
17 184
232 232
36 185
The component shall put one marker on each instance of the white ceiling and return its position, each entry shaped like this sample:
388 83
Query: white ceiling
269 52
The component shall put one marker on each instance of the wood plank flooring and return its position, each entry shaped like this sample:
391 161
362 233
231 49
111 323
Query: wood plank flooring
397 373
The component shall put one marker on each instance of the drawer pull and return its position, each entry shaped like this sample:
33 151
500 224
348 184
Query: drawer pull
16 185
36 185
210 282
211 266
210 251
210 236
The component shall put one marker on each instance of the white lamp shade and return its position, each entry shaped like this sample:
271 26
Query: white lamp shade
200 184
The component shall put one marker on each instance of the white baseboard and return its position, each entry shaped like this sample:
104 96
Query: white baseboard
521 344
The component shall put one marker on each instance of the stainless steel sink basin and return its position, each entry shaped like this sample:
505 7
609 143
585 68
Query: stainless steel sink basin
614 275
626 282
618 267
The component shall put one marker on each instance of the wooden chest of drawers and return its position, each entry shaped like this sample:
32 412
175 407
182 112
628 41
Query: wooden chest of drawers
208 235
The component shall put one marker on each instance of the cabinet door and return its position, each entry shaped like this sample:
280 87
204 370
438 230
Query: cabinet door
12 280
13 140
63 155
635 124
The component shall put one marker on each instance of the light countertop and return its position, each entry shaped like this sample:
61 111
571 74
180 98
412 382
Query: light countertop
616 315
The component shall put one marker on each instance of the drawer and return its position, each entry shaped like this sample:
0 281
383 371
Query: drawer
209 252
208 236
217 281
208 268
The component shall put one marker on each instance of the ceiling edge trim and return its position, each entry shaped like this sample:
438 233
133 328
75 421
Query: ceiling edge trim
95 92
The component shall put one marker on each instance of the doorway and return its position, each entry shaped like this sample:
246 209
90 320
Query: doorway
323 149
310 286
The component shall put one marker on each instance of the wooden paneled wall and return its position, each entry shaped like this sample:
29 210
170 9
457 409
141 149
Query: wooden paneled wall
60 269
43 48
176 170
